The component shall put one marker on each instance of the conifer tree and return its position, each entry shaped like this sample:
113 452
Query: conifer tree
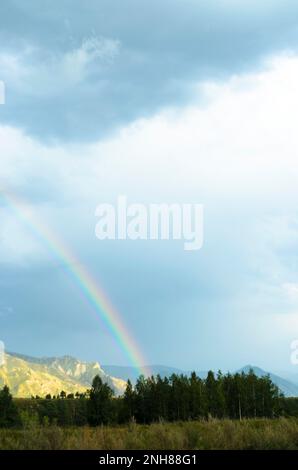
9 416
100 403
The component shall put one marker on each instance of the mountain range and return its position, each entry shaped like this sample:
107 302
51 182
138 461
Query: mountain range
287 387
29 376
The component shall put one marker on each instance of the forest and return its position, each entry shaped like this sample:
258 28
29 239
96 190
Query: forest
154 399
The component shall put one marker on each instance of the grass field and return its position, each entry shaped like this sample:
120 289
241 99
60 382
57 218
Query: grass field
215 434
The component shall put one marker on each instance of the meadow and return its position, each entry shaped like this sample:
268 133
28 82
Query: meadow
260 433
240 411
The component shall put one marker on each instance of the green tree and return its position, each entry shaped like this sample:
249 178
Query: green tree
129 402
99 407
198 399
215 394
9 415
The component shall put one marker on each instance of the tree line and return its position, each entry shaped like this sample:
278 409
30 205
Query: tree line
183 398
175 398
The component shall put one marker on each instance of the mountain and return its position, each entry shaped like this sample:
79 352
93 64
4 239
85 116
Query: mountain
27 376
289 389
288 375
132 373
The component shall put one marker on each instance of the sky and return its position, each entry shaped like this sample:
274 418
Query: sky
176 101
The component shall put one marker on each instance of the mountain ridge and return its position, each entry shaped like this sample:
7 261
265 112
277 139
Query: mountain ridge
287 387
29 376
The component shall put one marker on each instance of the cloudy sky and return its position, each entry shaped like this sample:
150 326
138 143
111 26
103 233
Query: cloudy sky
173 101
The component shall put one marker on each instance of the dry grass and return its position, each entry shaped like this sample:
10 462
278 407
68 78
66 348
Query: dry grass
225 434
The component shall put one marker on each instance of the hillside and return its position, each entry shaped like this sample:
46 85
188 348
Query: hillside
27 376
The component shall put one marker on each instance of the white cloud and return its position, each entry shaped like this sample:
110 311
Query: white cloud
243 141
237 148
76 62
38 73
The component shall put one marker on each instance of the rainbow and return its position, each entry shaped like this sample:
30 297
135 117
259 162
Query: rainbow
90 289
